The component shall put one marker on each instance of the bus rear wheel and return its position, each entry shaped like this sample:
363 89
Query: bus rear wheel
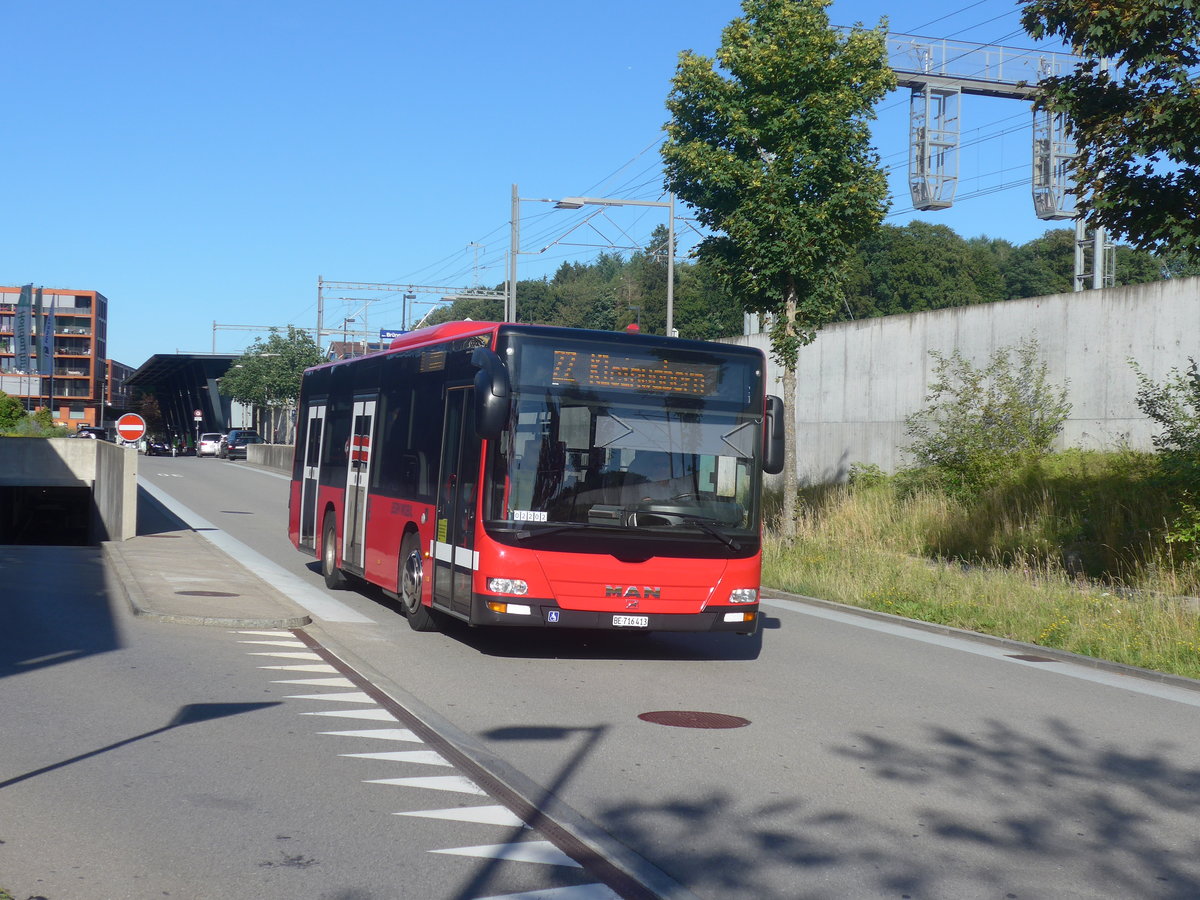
412 578
335 579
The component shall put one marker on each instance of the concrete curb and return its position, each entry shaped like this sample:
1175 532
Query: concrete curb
1090 662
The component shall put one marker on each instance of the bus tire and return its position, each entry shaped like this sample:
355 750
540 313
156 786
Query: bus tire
335 579
412 578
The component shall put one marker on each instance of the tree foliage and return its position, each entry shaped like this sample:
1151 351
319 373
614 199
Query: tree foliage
11 411
769 143
146 405
268 374
1174 404
919 266
1131 106
611 292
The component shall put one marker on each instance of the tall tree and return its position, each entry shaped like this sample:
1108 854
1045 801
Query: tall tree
268 374
919 266
1132 106
770 144
146 406
1041 266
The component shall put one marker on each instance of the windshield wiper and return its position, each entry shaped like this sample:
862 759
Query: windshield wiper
522 534
708 526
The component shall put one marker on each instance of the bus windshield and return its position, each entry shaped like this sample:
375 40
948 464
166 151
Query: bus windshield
633 445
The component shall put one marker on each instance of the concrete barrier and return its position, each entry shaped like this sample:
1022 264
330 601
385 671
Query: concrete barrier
858 381
105 470
271 456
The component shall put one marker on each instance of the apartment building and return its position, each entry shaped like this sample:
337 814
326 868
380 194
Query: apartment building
81 386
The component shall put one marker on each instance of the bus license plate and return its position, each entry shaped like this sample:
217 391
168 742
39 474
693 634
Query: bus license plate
631 621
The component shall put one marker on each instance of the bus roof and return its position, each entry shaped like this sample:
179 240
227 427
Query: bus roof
448 331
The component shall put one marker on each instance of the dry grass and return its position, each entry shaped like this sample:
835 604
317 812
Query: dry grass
1003 569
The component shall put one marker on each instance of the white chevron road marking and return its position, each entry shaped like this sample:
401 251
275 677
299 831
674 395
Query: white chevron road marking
424 757
348 697
372 715
455 783
482 815
310 667
279 634
575 892
318 682
381 734
542 852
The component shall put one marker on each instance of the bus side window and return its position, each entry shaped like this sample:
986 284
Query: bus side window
414 472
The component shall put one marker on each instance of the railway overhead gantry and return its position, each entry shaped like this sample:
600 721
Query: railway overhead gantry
938 72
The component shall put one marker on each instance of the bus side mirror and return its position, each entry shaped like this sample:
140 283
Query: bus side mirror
491 393
773 437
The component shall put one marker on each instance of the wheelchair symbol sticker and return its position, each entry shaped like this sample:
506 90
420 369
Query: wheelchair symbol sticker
552 615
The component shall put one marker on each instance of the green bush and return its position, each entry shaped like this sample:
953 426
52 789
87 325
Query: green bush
981 424
1175 406
11 412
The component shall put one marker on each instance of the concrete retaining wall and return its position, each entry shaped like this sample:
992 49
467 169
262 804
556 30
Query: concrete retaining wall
858 381
108 470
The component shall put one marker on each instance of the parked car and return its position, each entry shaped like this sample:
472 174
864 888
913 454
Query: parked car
233 445
210 444
92 432
157 447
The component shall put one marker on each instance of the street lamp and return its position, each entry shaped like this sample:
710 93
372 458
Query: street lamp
510 312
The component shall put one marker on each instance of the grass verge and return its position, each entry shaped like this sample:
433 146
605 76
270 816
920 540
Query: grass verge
887 548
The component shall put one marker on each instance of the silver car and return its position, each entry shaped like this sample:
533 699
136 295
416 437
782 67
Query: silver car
210 443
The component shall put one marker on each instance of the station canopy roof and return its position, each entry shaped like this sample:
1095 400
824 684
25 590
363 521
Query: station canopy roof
164 369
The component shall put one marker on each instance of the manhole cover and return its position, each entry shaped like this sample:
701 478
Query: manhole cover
682 718
1026 657
206 594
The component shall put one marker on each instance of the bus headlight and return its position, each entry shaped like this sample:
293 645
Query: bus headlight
743 595
507 586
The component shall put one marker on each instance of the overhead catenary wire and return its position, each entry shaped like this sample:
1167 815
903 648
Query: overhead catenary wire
540 229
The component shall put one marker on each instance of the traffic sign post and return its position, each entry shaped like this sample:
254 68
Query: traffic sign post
131 427
197 417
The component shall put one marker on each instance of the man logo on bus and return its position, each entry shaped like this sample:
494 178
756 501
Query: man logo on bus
618 590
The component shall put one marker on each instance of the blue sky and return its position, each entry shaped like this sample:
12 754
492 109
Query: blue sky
202 162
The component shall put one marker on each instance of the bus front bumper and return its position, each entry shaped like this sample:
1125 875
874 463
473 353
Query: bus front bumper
520 612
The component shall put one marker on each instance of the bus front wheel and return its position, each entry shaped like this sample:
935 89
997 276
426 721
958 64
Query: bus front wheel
335 579
412 578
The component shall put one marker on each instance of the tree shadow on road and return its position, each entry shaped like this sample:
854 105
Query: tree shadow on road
996 812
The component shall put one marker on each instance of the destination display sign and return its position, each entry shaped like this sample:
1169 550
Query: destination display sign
614 371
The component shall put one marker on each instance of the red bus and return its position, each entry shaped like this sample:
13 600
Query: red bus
535 476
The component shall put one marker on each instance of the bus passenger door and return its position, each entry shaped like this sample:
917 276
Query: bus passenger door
314 435
358 470
454 549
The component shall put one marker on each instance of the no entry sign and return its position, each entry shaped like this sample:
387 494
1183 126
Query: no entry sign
131 427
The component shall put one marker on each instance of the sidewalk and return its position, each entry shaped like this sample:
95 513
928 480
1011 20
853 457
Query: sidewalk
178 576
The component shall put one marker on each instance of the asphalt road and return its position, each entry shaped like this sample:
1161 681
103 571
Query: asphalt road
880 761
